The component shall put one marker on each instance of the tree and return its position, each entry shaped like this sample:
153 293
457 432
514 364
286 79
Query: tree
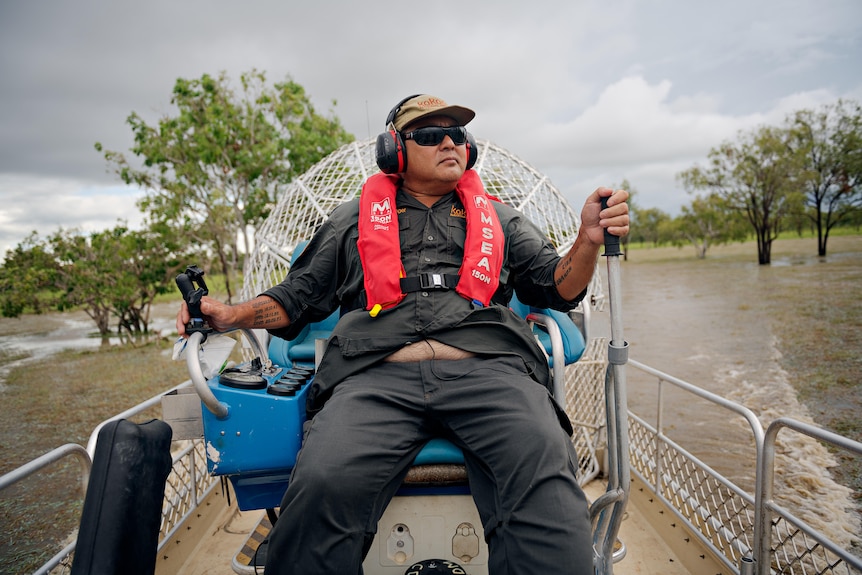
87 273
26 278
212 171
829 143
151 258
708 221
755 177
650 226
112 274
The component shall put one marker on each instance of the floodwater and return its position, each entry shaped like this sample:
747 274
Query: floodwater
71 330
703 322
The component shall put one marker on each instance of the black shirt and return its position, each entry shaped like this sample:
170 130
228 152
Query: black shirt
328 276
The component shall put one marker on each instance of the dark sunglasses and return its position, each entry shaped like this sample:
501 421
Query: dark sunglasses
433 135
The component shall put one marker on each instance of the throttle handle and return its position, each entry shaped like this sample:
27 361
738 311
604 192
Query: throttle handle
186 282
612 242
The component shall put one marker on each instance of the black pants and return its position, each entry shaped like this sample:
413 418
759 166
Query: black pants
521 466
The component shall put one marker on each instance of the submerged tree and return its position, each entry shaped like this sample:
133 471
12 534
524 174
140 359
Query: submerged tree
113 274
829 145
212 171
709 221
754 176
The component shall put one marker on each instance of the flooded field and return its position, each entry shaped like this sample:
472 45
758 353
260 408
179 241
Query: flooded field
761 336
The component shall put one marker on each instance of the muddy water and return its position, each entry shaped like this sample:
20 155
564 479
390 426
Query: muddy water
70 330
703 322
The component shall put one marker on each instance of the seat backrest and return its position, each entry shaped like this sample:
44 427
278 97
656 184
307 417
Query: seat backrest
573 340
300 350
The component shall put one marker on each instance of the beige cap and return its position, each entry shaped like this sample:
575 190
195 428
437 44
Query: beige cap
425 105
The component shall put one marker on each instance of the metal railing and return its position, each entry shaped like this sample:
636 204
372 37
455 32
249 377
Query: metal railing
750 534
700 497
780 534
32 467
187 485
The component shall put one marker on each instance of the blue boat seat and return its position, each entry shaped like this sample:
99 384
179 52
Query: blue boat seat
440 451
573 340
300 350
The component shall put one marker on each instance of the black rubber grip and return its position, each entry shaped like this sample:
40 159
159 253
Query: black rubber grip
191 295
612 242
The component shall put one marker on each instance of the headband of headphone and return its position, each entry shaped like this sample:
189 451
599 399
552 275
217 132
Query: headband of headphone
390 119
392 154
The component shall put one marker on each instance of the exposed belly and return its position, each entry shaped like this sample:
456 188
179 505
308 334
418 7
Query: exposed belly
428 349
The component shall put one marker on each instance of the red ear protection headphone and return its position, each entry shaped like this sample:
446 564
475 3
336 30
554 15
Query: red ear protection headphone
391 152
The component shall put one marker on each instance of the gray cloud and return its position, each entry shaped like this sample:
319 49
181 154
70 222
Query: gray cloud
589 92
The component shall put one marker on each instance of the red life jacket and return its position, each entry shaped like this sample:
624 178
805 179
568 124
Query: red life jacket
380 247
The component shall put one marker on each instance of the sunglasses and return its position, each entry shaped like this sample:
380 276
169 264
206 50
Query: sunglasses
433 135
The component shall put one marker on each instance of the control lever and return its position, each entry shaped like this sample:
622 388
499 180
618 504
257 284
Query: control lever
186 282
612 242
607 511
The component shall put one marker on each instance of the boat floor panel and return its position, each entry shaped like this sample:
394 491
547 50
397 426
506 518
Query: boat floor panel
226 537
646 552
231 540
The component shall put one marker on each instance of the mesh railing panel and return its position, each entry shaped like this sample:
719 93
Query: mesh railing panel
186 486
721 513
585 405
796 552
708 502
715 509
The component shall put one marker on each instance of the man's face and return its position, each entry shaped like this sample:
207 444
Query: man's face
434 168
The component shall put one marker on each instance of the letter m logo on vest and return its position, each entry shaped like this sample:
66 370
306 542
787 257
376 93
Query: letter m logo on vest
381 212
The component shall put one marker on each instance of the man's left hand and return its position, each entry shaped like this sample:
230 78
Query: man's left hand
614 218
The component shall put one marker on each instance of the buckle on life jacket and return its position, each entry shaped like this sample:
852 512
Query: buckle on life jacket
429 281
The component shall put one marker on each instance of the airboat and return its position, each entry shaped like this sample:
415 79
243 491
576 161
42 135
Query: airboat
235 429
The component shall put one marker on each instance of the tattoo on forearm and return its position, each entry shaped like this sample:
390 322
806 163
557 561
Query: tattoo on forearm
566 270
265 313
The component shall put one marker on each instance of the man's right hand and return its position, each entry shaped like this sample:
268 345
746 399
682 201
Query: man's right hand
215 313
261 312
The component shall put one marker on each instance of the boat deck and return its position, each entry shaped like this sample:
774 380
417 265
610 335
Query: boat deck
645 551
213 543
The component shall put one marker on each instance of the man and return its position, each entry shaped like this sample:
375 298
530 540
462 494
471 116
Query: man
422 267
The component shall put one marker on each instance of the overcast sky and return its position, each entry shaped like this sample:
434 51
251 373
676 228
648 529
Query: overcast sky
588 92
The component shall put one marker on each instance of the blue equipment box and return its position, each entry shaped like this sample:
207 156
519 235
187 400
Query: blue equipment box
262 432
